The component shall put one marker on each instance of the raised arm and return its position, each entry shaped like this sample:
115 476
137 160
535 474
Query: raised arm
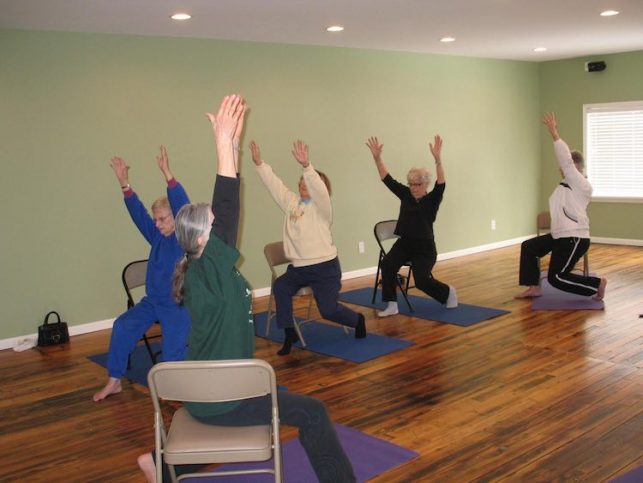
121 170
278 190
164 164
256 153
236 141
225 125
317 189
300 152
175 192
566 164
135 207
226 204
376 150
436 151
549 120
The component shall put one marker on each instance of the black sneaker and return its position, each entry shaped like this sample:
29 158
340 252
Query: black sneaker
360 328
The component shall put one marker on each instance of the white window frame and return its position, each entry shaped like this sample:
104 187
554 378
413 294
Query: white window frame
587 149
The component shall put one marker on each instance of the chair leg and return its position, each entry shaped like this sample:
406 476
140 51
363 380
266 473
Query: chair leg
310 307
270 314
149 349
298 330
404 290
377 279
586 265
406 299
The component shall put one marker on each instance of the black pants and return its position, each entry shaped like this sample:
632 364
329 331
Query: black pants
565 252
316 432
422 254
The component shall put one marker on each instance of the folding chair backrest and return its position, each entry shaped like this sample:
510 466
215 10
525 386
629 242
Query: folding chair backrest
211 381
385 230
133 276
543 222
275 256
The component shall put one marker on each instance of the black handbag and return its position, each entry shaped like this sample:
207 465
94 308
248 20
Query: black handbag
52 333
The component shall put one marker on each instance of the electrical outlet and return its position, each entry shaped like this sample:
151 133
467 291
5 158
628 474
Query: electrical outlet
493 224
360 247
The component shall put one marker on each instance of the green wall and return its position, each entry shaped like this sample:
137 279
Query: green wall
71 101
564 88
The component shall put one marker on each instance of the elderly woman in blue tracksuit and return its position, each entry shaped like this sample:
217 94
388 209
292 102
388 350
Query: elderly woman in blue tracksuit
158 303
569 237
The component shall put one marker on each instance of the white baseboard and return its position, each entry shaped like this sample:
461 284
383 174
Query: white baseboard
617 241
484 248
73 330
362 272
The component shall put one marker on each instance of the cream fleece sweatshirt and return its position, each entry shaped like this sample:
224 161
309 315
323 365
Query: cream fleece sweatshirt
306 231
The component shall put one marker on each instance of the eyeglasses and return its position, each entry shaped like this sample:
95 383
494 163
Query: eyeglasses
415 185
161 219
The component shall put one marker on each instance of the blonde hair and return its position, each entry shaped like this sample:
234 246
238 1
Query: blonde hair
191 222
161 203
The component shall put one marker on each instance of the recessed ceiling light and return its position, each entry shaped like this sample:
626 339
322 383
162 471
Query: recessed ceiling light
447 39
181 16
334 28
609 13
540 49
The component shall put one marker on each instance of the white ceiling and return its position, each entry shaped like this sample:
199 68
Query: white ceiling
501 29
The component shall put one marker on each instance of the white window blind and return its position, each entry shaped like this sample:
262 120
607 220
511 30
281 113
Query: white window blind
614 149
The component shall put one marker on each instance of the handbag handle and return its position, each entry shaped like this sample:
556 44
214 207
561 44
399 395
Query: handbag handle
50 313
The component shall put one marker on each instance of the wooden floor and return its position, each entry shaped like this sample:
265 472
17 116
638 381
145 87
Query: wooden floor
529 396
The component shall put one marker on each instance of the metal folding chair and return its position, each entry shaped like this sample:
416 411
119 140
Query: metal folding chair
383 231
188 441
133 276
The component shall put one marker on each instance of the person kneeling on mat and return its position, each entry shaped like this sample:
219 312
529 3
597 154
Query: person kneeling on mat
569 237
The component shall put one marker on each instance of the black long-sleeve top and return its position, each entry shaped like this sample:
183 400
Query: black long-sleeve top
416 217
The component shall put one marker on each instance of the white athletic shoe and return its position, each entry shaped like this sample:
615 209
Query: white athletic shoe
391 309
452 301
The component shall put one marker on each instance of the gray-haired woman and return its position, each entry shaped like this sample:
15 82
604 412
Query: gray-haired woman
418 210
219 301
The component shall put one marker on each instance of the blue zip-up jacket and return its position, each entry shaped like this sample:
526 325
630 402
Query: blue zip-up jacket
166 250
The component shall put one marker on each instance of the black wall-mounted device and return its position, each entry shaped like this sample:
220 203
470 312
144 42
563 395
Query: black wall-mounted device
597 66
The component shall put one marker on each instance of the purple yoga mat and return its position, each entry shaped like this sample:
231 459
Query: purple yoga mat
554 299
634 476
369 456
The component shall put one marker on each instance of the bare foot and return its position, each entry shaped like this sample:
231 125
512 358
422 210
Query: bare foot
147 466
113 386
532 292
601 290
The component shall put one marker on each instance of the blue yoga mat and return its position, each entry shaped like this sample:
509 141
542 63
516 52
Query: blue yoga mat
331 340
140 362
463 315
369 456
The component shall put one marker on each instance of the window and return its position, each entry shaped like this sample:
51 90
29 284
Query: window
614 150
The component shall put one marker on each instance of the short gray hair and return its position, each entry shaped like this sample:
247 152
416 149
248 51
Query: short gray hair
418 175
578 158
